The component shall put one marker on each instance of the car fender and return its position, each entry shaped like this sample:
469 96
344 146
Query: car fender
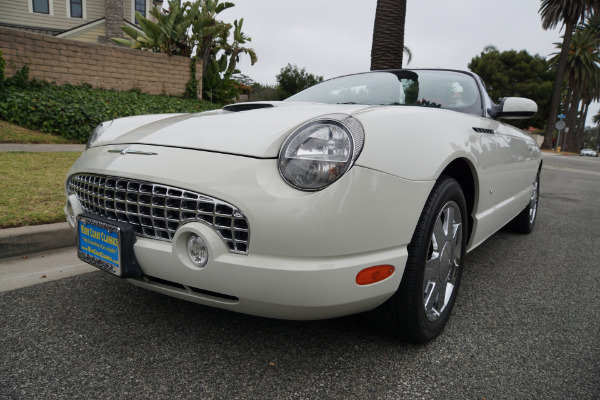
393 135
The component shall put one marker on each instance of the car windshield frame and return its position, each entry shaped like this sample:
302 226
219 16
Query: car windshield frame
445 89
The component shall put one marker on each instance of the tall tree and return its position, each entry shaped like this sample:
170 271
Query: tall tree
582 73
516 73
387 49
591 92
568 13
292 80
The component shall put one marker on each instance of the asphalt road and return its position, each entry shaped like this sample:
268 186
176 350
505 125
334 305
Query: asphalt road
525 326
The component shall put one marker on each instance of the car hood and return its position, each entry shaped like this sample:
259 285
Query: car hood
249 129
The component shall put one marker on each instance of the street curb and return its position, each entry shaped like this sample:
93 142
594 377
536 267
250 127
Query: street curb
41 148
31 239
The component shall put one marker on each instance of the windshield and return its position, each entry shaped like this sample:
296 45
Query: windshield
430 88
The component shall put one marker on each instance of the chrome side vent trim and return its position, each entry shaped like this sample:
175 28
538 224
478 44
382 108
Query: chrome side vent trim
484 130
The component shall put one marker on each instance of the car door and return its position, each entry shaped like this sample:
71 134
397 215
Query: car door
506 176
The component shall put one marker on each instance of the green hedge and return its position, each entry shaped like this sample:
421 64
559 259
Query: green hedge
74 111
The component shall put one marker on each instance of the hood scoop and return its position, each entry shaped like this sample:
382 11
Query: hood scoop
246 106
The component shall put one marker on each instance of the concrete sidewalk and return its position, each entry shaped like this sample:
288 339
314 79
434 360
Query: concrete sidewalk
35 268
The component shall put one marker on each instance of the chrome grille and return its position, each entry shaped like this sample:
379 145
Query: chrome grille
156 211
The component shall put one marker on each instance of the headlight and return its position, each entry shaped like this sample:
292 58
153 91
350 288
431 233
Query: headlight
100 129
321 151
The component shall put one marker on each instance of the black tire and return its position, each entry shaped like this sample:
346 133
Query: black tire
412 314
525 221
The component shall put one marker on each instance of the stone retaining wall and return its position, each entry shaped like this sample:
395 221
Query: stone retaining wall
69 61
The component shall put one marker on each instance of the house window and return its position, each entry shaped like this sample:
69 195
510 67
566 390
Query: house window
41 6
76 8
140 6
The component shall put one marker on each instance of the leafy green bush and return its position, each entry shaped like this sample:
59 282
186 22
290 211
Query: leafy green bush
74 111
20 79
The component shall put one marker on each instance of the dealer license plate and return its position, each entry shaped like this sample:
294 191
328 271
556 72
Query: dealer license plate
99 244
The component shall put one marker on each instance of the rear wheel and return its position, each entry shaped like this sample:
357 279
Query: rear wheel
420 308
525 221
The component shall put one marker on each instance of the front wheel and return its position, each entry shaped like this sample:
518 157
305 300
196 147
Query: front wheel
421 306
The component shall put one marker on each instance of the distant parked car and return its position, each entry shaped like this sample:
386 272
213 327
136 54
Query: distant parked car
588 152
363 192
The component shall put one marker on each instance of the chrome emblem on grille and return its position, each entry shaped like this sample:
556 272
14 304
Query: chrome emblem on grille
128 150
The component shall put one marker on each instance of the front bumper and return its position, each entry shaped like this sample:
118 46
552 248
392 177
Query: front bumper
305 249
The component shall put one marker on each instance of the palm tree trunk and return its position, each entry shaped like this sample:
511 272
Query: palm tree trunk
572 119
388 35
581 127
560 74
569 93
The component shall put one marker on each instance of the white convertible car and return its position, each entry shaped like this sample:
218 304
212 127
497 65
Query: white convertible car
362 193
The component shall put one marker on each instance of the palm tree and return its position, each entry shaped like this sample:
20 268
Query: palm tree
388 35
569 13
582 73
592 91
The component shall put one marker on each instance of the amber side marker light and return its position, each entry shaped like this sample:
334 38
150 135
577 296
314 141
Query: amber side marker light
374 274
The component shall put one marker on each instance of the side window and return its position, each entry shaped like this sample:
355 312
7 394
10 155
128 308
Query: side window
41 6
462 94
451 90
76 7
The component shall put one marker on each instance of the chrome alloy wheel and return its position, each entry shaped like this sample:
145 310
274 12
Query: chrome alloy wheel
533 202
443 261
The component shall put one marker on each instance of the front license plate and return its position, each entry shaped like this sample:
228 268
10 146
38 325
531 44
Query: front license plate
99 244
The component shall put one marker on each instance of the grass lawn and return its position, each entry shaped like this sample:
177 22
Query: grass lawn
32 187
13 133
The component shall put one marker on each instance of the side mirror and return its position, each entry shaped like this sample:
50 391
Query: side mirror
514 108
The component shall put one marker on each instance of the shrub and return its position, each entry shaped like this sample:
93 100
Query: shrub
20 78
74 111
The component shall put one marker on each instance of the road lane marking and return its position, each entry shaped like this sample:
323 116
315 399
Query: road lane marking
575 171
